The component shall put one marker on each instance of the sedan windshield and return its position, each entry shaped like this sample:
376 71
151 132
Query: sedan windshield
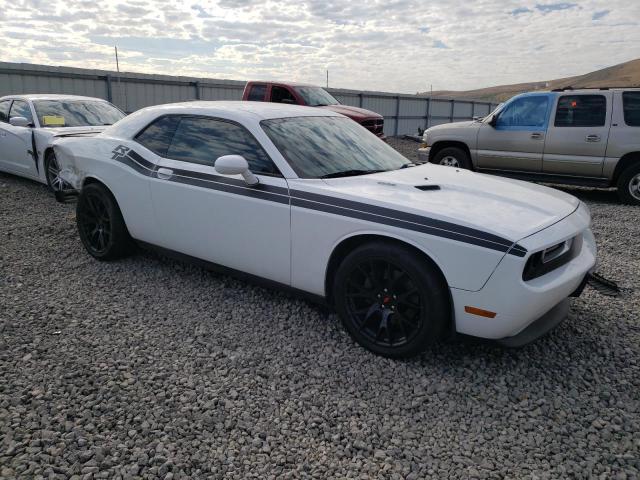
325 147
316 96
75 113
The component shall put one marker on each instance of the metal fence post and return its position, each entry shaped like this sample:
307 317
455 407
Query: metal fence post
197 87
360 100
473 109
109 91
397 115
453 104
428 113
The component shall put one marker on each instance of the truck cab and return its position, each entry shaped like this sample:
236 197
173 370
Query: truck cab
312 96
587 137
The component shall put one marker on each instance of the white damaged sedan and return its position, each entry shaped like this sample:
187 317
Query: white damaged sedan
309 200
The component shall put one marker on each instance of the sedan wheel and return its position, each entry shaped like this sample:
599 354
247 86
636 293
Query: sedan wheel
55 182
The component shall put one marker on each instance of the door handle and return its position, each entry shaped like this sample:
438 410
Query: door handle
536 136
593 138
164 173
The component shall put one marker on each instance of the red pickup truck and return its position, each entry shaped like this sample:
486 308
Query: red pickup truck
311 96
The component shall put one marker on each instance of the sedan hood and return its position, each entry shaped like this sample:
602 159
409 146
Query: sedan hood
352 112
64 131
508 208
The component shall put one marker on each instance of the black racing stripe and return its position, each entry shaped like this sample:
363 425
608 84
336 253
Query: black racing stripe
225 187
329 204
408 217
337 210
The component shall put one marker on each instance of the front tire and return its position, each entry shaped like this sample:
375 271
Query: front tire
453 157
52 173
391 300
629 185
100 224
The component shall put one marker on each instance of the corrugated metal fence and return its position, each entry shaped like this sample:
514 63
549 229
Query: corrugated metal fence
131 91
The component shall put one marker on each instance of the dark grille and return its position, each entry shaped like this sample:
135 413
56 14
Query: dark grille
374 126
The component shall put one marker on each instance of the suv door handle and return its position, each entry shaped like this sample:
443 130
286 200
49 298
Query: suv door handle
536 135
164 173
593 138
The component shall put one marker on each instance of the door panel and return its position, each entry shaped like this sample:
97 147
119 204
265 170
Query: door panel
218 218
577 139
516 142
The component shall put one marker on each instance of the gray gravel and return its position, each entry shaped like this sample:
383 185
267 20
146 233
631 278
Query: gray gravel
149 368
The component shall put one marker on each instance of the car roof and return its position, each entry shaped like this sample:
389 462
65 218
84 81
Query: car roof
256 110
49 96
286 82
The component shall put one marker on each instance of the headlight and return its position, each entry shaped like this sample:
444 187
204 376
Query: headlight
551 258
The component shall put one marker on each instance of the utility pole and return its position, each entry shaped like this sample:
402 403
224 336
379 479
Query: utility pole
119 81
327 78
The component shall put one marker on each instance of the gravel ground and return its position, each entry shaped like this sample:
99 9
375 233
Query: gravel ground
150 368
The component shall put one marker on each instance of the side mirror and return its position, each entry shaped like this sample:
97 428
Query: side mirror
288 101
19 122
493 121
236 165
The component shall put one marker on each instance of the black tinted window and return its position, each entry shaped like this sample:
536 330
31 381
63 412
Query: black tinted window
157 136
257 92
4 110
203 140
581 111
281 95
631 107
20 109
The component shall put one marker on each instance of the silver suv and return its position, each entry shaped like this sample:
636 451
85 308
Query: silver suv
585 137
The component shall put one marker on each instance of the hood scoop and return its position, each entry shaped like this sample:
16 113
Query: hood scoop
428 187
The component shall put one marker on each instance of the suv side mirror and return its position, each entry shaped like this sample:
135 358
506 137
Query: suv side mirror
493 121
19 122
235 165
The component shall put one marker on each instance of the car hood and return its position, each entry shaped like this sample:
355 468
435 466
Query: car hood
68 131
352 112
508 208
444 126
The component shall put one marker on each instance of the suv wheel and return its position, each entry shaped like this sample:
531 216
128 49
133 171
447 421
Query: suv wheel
390 300
629 185
453 157
100 224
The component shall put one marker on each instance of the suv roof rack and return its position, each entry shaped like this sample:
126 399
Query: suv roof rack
569 88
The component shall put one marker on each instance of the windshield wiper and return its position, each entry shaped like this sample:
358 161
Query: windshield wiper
350 173
407 165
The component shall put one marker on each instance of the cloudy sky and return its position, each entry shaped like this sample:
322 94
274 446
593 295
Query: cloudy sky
389 45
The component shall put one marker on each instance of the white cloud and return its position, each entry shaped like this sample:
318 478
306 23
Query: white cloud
392 45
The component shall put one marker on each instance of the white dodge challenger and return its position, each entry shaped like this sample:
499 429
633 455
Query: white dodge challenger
311 201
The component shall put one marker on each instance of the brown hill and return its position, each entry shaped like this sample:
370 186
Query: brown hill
622 75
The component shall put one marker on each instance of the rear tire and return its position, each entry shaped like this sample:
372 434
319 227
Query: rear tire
453 157
391 300
629 185
100 224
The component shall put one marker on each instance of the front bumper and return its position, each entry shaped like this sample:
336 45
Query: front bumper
520 304
423 154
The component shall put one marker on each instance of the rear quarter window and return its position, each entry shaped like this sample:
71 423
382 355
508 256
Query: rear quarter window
158 134
257 93
631 108
4 110
581 111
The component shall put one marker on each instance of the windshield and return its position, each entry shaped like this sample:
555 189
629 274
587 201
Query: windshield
316 96
75 113
317 147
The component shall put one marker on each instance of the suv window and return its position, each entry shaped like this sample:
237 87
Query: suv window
4 110
581 111
158 134
21 108
257 93
202 140
282 95
525 112
631 108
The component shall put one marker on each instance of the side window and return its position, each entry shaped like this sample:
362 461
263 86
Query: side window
202 140
282 95
20 109
631 107
581 111
158 134
4 110
257 93
525 112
